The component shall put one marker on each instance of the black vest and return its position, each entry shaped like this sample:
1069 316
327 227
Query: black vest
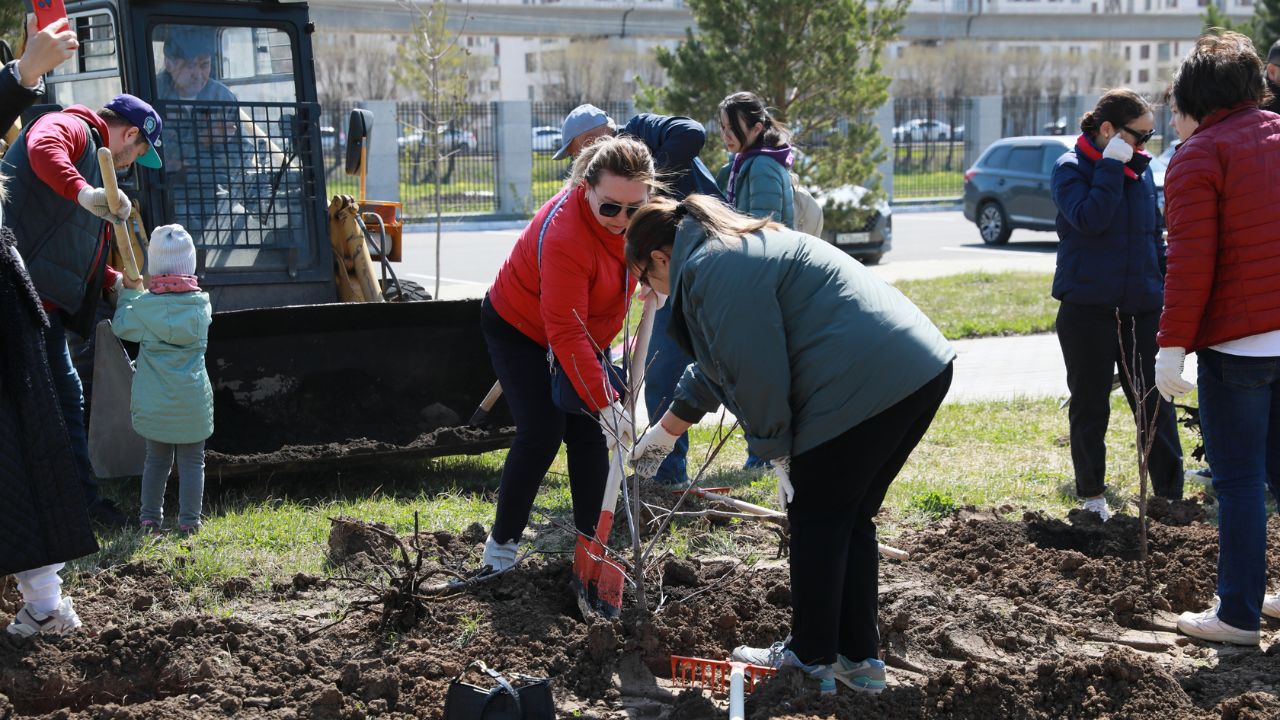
58 239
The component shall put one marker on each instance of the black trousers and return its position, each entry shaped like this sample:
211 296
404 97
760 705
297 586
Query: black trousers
521 366
840 486
1092 352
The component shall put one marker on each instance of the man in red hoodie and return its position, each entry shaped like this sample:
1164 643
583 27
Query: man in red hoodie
59 213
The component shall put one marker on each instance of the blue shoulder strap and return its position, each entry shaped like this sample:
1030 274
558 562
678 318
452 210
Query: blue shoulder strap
542 233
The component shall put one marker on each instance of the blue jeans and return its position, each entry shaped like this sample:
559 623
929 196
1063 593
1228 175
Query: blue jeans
666 363
71 396
521 367
155 474
1240 421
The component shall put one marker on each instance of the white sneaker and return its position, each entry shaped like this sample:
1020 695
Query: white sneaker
1098 505
1203 476
1206 626
778 655
1271 606
62 620
499 556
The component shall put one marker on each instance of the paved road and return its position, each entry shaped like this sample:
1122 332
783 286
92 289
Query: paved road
925 245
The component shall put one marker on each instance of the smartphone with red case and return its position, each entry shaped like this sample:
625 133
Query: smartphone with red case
48 12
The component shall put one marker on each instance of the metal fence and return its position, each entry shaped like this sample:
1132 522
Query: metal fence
929 142
452 148
1037 116
232 176
449 150
549 174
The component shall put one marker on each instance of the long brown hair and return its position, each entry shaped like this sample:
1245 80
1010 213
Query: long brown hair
654 225
622 156
1119 107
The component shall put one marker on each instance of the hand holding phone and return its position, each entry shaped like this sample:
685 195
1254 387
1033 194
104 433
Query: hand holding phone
46 49
48 12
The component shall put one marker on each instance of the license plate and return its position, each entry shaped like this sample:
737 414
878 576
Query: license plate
860 238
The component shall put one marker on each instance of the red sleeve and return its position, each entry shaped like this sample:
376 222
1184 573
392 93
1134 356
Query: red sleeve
566 278
1192 190
52 143
109 277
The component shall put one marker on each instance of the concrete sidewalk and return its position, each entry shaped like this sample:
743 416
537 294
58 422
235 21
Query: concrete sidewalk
994 369
1010 367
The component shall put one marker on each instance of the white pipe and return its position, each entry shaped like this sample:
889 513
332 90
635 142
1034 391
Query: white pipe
737 690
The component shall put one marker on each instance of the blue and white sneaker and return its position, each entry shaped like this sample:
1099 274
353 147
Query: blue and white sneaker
866 677
778 656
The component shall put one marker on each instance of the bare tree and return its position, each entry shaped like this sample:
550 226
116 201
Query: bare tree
363 71
434 63
596 71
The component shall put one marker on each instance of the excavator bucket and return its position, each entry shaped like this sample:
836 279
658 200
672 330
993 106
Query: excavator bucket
299 387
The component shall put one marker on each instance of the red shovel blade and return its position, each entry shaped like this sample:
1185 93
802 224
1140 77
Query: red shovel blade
597 580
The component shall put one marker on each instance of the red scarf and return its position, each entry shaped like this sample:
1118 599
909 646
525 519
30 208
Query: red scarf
173 284
1085 145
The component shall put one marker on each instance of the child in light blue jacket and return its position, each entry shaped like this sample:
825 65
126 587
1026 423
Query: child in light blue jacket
172 401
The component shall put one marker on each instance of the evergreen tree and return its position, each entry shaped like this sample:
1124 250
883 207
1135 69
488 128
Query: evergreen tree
816 63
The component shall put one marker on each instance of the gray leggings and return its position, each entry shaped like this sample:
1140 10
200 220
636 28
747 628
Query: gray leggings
155 473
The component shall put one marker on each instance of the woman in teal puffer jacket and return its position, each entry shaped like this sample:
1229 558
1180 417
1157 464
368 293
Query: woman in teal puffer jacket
172 403
835 377
758 180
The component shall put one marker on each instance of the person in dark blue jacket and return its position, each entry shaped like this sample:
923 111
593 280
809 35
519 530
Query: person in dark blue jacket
1110 284
675 143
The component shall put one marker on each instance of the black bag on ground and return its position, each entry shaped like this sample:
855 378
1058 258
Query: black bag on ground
520 698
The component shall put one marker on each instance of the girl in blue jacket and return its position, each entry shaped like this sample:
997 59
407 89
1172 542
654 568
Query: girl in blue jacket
172 401
1109 281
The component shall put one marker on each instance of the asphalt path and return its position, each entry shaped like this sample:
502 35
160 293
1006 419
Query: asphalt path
926 244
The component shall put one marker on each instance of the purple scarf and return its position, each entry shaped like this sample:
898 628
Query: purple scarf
781 154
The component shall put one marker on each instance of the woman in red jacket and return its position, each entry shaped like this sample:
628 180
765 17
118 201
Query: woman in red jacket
1222 301
565 287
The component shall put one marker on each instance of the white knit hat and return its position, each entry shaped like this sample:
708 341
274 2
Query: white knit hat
172 251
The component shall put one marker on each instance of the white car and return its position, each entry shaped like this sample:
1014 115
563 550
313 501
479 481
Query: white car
546 139
452 139
921 130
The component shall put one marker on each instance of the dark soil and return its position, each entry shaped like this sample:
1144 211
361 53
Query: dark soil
990 618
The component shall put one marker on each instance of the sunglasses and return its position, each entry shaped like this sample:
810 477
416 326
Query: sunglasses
612 209
1139 138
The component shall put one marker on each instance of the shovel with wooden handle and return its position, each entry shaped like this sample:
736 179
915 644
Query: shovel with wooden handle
481 416
115 449
598 580
123 233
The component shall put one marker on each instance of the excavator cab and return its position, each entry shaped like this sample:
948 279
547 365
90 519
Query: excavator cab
299 376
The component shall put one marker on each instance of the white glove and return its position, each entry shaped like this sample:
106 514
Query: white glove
1169 380
1118 149
786 491
618 429
653 448
95 201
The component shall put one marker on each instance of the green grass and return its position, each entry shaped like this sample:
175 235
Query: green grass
984 454
934 184
985 304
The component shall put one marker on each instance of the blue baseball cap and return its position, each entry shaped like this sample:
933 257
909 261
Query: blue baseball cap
146 119
579 120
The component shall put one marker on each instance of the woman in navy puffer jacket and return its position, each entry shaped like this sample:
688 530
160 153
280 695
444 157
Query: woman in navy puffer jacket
1108 279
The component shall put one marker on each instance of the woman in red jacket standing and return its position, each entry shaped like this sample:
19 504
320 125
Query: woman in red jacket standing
564 288
1222 301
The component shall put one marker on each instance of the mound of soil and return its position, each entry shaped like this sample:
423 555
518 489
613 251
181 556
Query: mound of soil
1036 618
